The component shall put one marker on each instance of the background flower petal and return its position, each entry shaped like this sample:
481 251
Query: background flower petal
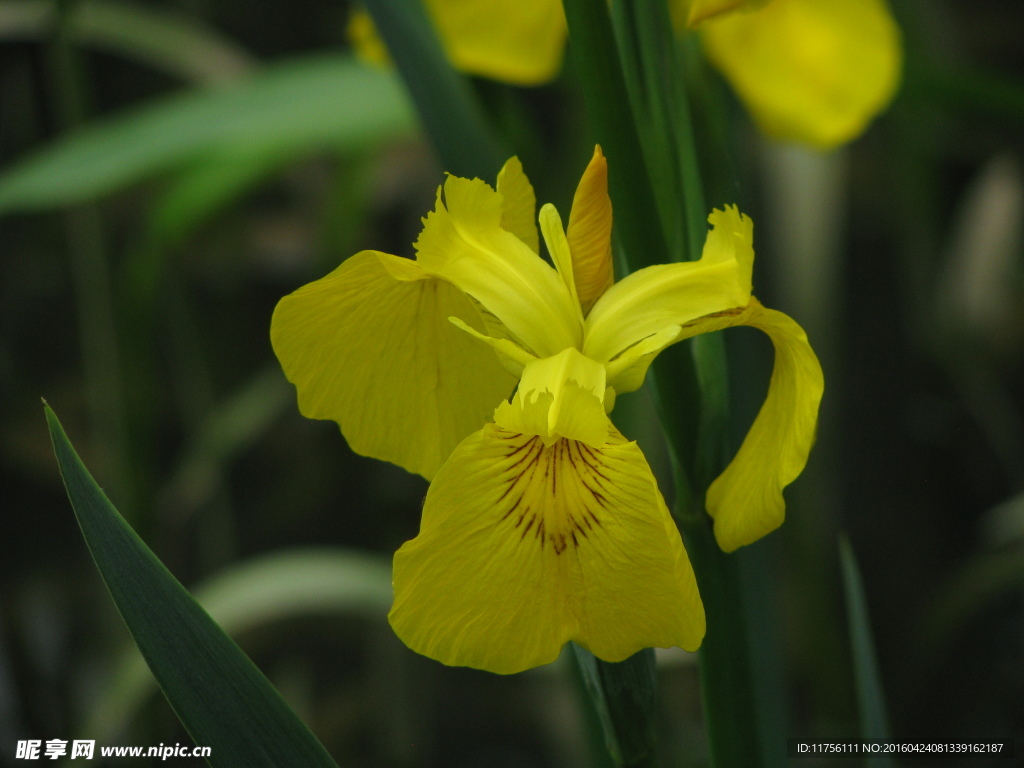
515 41
814 71
370 346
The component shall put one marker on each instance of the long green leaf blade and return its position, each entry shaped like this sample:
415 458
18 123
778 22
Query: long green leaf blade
219 695
254 593
313 103
874 720
451 114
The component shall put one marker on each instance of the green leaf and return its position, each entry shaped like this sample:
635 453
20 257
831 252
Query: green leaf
219 695
307 104
596 58
251 594
727 688
212 184
451 114
874 720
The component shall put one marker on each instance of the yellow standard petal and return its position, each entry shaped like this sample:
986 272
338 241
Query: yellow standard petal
652 299
813 71
558 248
463 242
371 347
525 546
515 41
590 233
746 499
518 203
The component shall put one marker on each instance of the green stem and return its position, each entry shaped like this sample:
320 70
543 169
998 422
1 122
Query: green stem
727 691
623 695
611 120
690 387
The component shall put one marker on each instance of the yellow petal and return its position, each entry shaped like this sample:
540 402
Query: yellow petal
370 346
559 396
464 243
626 372
518 203
813 71
524 547
516 41
512 356
746 499
651 299
558 248
590 233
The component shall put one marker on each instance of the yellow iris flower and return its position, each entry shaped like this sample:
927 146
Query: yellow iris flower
542 523
812 71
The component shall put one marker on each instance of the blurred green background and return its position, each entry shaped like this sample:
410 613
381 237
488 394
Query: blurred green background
169 170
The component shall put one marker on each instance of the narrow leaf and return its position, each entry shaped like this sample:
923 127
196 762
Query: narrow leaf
251 594
608 104
451 114
874 720
307 104
219 695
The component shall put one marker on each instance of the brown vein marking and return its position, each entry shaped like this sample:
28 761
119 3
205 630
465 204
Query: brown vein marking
594 474
551 522
532 443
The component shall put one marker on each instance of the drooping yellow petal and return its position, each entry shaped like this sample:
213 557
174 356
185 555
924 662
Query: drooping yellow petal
651 299
515 41
813 71
559 396
370 346
746 499
590 233
524 547
464 243
519 203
